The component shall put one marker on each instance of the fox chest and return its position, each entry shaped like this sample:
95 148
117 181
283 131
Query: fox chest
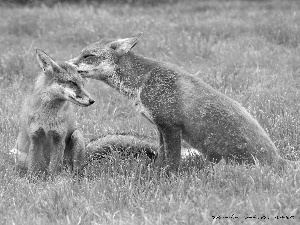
57 124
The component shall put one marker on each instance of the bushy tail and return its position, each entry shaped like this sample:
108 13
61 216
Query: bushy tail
123 144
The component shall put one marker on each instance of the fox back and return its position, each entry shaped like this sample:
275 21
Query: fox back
179 104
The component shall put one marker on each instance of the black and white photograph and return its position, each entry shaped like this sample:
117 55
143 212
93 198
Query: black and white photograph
149 112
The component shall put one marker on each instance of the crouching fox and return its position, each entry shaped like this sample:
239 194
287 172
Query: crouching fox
47 124
179 104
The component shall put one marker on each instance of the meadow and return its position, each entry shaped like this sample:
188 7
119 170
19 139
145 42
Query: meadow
249 50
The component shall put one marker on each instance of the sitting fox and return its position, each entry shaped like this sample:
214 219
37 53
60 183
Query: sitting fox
47 124
179 104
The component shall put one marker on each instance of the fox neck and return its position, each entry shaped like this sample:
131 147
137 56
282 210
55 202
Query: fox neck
50 104
132 71
46 111
46 101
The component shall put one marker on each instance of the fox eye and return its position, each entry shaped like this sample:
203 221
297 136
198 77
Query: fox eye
88 56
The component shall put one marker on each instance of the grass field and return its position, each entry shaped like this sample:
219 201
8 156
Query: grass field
249 50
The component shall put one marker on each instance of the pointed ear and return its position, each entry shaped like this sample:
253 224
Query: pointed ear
48 65
122 46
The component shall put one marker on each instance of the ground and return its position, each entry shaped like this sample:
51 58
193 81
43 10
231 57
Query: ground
248 50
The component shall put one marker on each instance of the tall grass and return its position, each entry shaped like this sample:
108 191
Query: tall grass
248 50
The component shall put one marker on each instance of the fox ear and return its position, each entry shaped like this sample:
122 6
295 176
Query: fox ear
48 65
122 46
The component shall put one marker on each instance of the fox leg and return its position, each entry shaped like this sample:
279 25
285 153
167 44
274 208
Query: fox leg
36 162
77 151
57 152
172 147
161 157
56 158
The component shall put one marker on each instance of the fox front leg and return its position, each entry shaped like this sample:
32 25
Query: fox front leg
160 161
36 161
172 147
56 159
77 152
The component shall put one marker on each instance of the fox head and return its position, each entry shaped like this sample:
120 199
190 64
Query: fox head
63 80
100 60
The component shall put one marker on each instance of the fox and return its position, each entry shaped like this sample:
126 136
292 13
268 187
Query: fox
48 134
180 105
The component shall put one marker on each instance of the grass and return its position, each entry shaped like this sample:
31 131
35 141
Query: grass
246 49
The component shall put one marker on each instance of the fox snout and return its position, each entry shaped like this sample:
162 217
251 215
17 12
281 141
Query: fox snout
82 101
98 70
74 63
83 73
80 97
85 100
91 101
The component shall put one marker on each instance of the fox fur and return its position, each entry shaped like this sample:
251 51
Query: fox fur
124 144
47 122
181 105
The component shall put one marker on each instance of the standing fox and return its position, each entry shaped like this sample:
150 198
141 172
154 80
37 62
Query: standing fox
179 104
47 124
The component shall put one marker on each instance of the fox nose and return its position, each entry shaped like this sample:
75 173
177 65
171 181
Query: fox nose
91 101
